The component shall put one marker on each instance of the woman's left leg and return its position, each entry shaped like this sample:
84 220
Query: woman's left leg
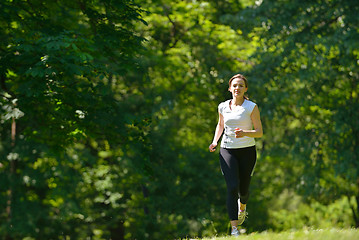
247 161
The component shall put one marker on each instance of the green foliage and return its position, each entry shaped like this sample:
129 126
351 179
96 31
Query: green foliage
115 104
191 56
58 65
306 63
289 212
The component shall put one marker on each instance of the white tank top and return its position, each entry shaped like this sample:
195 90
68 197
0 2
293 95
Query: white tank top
238 118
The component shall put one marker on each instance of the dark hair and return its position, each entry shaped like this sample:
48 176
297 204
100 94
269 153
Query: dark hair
240 76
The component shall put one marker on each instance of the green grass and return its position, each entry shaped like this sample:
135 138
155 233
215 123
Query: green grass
322 234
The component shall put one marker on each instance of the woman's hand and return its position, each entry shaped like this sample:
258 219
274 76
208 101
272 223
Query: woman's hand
239 132
212 147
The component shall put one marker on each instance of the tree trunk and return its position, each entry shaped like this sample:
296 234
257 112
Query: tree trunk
9 209
356 211
118 233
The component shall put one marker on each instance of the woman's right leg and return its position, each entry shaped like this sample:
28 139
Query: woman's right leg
229 167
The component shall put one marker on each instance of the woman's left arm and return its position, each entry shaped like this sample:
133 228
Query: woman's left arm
257 132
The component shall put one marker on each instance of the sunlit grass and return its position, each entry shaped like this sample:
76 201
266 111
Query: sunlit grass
306 234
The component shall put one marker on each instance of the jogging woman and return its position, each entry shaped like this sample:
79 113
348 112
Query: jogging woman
239 121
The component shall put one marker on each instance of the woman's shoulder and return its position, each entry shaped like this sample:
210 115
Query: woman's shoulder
249 104
223 105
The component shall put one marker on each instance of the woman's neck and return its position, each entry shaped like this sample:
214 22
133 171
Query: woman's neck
238 101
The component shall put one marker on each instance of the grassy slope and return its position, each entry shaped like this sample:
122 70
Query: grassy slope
327 234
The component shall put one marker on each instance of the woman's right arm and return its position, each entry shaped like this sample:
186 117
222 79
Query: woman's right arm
217 133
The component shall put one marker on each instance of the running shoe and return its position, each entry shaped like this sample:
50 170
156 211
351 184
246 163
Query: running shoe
235 231
242 216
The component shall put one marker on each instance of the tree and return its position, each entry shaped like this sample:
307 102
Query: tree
190 58
307 64
59 62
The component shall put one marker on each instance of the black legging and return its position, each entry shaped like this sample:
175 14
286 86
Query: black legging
237 166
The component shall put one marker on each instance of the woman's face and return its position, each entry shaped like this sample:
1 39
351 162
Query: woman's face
238 87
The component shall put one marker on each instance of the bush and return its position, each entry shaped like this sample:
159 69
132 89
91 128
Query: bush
314 215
